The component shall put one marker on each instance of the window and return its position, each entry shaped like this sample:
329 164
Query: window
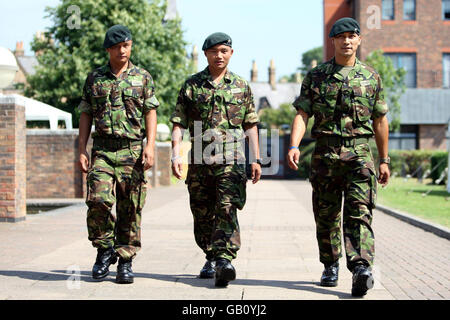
409 10
406 61
445 9
387 7
446 70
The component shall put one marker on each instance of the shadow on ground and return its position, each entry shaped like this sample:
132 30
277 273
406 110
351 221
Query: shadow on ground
188 279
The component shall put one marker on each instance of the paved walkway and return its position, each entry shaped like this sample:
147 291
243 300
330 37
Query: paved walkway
48 256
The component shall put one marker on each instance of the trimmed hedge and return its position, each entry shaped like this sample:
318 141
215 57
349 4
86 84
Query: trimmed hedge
439 161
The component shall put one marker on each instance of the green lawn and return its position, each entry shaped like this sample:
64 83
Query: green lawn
409 196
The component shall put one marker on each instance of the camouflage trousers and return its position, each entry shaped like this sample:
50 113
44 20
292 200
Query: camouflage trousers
116 176
348 173
216 192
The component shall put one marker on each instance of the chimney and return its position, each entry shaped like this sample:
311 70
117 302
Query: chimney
272 79
19 52
254 72
195 57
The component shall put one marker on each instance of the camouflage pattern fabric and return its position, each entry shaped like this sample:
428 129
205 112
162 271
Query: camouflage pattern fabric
116 174
222 109
216 192
343 108
349 173
216 189
117 105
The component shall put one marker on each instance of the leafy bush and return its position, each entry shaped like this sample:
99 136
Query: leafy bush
439 161
412 162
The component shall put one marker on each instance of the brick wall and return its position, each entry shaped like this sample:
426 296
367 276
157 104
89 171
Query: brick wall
432 137
12 161
53 170
52 164
428 36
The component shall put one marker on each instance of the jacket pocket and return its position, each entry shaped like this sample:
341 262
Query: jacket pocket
235 111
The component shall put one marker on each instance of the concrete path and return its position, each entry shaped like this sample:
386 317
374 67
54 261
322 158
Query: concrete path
48 256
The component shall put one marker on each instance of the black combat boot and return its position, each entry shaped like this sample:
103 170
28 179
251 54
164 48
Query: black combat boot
362 280
124 272
208 271
105 258
330 275
225 272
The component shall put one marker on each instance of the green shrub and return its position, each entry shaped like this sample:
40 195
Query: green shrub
410 162
439 161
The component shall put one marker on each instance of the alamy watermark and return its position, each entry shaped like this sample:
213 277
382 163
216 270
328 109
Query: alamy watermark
74 279
74 21
227 146
374 19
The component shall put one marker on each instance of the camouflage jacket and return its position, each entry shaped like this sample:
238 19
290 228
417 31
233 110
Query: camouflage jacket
118 105
342 107
221 109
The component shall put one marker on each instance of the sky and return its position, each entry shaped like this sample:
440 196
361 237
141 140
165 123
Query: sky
261 30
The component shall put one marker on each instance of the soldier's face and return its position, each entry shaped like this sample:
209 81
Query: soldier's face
120 52
219 56
346 43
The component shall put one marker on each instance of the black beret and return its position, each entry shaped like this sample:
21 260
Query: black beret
116 34
216 38
344 25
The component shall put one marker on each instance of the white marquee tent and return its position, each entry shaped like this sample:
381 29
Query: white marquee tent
36 110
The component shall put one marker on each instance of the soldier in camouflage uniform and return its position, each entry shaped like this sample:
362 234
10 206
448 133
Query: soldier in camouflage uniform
119 98
216 106
346 98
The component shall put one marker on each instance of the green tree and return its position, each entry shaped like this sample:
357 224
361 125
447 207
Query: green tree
393 82
278 117
309 56
73 46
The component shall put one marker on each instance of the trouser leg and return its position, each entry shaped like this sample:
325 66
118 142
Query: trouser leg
231 195
327 200
358 204
100 199
131 194
202 201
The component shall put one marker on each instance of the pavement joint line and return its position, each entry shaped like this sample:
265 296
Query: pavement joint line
438 230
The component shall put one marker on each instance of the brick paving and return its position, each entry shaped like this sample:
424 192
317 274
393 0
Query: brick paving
278 258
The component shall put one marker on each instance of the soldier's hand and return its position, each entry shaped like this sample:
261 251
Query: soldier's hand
256 172
148 158
385 174
84 162
293 157
177 168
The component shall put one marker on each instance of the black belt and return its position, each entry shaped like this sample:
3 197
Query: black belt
335 141
115 143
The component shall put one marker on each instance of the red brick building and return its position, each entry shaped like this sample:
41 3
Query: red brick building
415 34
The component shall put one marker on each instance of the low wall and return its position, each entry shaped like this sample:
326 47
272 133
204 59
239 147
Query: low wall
53 170
52 164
